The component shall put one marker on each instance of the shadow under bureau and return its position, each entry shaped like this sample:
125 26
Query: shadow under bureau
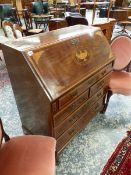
59 79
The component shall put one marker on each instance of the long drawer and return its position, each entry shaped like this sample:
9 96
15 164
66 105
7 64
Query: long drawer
78 125
67 123
72 94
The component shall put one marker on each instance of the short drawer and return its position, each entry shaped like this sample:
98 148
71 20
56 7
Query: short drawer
71 95
67 123
60 116
81 123
103 83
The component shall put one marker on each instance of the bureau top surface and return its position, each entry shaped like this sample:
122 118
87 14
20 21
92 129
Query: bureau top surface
64 58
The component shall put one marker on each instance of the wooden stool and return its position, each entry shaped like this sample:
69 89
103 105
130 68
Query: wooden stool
57 23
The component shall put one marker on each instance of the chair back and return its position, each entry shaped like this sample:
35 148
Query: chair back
27 19
18 31
37 8
45 6
16 16
121 48
8 29
5 11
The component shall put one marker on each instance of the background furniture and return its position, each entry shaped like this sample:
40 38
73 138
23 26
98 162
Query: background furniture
42 20
5 12
121 16
120 81
59 79
39 7
27 4
28 23
13 2
57 23
8 29
75 18
15 15
33 155
18 31
106 26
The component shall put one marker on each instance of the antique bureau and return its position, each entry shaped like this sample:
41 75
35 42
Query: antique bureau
59 79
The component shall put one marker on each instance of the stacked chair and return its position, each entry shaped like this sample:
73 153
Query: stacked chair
120 81
26 155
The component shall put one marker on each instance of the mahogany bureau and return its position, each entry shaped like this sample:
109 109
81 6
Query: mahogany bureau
59 79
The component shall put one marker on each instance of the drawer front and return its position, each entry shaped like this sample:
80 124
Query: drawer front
100 84
70 108
67 123
71 95
81 123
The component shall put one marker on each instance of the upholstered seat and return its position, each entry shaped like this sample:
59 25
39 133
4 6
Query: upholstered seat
27 155
120 80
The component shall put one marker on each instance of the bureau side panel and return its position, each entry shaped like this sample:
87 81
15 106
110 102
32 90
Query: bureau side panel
32 102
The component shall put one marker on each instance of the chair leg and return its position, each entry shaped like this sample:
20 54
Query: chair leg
106 101
123 30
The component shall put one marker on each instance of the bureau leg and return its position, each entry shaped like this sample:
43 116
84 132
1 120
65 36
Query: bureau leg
106 101
57 159
26 131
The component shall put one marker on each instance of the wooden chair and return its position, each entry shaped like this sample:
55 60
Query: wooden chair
120 80
26 155
16 16
28 23
40 8
8 29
